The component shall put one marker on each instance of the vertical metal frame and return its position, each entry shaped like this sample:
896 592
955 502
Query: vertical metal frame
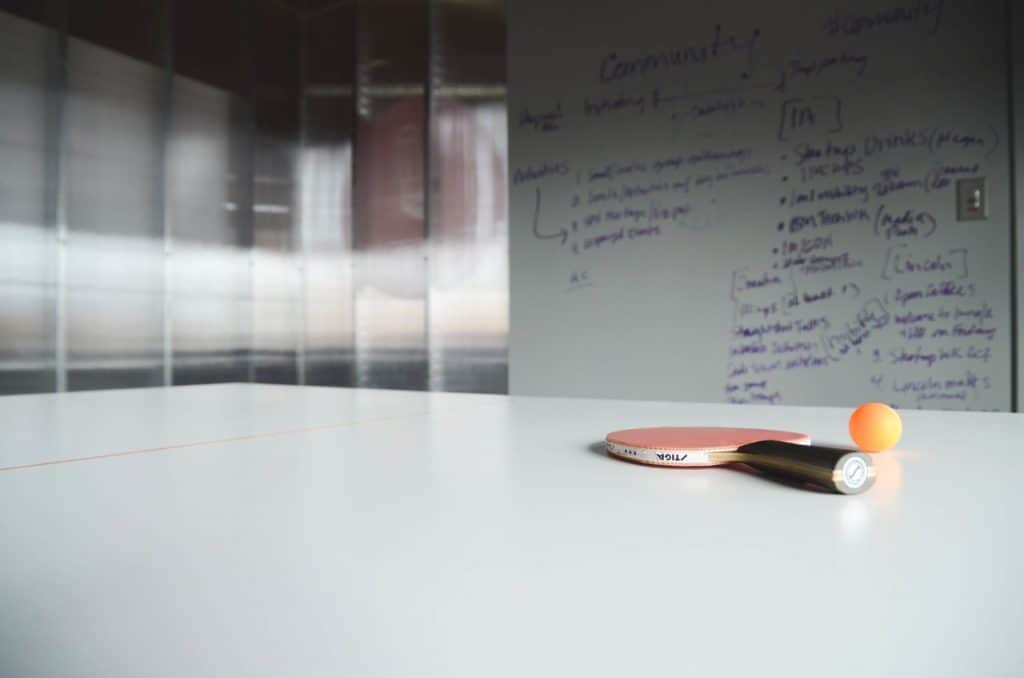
247 178
162 188
1015 84
56 176
301 236
432 79
361 104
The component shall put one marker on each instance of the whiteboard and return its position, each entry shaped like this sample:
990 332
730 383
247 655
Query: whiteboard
757 202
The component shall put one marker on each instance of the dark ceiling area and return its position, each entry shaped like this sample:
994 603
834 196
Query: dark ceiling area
238 45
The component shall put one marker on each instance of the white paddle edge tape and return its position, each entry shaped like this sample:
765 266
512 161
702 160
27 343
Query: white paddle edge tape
658 457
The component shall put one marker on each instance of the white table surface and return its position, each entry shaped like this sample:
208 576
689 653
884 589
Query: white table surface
252 530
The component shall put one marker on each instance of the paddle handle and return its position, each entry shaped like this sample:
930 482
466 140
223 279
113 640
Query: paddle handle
838 469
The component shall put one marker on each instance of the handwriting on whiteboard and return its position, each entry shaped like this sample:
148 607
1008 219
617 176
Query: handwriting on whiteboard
853 260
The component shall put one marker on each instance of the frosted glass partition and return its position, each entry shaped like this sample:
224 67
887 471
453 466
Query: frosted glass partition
199 192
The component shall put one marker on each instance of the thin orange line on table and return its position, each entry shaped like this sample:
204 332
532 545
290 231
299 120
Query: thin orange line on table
199 443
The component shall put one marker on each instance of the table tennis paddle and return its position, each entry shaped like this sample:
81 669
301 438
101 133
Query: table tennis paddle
784 453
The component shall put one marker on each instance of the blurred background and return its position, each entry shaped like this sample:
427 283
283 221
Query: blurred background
285 191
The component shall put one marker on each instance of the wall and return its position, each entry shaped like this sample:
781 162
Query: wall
757 202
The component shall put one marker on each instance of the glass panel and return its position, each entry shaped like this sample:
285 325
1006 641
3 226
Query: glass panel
390 267
209 191
210 267
115 339
27 252
27 337
275 331
211 338
328 319
115 262
276 322
325 202
212 230
276 285
468 201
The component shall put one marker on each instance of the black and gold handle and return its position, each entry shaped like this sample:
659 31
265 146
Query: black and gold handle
841 470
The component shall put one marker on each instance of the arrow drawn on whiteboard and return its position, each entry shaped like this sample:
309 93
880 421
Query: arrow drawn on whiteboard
563 234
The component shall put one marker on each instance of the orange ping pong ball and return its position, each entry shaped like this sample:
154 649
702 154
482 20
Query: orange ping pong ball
875 427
